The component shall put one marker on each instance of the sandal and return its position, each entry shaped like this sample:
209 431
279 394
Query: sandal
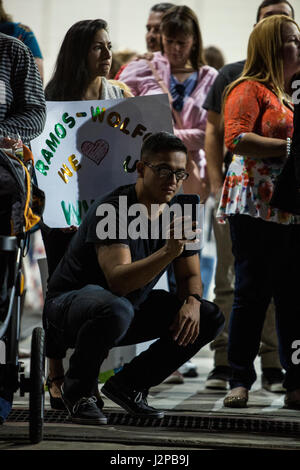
56 403
236 398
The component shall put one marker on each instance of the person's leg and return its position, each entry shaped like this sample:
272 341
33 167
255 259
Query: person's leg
224 289
251 299
95 321
164 356
286 266
272 375
91 320
130 386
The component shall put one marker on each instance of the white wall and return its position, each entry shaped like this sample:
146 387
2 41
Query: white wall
224 23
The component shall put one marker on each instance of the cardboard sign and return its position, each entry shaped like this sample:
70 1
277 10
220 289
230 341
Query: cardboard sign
89 148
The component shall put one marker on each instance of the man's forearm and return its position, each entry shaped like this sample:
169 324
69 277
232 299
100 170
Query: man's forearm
126 278
190 285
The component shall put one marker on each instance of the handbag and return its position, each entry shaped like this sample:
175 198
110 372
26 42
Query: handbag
286 195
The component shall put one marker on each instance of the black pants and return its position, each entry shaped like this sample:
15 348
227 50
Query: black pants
267 259
93 320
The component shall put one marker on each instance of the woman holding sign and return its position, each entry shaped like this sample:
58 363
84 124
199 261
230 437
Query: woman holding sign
82 65
180 71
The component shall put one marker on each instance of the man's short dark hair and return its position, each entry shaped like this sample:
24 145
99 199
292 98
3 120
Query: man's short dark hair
267 3
161 142
162 7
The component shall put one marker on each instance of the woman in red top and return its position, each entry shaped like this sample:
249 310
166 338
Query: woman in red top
265 241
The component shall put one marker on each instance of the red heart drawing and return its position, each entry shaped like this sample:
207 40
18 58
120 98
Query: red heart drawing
95 151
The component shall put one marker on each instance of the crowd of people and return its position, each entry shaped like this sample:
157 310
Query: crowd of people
100 292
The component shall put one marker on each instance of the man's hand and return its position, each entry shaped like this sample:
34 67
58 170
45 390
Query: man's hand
185 327
174 244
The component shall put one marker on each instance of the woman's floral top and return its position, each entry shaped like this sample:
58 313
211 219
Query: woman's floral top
249 183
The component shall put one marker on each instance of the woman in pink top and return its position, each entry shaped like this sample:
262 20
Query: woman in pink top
180 70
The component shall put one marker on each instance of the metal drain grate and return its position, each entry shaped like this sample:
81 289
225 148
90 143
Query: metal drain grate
200 423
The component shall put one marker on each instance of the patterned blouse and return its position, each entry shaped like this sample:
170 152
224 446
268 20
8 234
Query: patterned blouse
249 183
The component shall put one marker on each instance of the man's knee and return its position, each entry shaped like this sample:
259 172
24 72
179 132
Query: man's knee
118 316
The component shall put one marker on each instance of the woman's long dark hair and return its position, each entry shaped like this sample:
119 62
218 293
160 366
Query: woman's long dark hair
182 19
71 76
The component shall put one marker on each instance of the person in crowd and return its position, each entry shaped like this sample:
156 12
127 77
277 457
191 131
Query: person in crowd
119 61
152 34
258 120
153 25
24 34
22 114
100 295
214 57
82 65
217 165
179 69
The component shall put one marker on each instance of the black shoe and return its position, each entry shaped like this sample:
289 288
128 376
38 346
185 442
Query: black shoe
218 378
84 411
272 379
133 401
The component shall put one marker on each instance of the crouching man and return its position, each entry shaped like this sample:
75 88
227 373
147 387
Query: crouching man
101 294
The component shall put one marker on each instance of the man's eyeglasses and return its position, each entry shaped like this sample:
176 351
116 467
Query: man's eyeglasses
162 172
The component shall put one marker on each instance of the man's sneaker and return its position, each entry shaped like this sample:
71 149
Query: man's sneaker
272 379
84 411
135 402
218 378
188 369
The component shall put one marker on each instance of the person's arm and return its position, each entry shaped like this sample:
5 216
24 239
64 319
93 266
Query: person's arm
214 150
124 276
256 146
188 277
29 109
242 111
29 39
193 138
186 325
133 74
40 65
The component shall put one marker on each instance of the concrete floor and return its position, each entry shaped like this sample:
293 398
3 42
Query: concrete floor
187 399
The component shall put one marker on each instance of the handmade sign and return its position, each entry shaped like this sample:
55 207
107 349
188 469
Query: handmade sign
89 148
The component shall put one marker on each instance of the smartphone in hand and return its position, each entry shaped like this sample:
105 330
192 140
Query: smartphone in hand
189 206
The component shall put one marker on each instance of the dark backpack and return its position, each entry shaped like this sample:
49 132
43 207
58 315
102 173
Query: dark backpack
21 201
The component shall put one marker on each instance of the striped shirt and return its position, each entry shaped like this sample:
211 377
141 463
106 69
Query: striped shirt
22 101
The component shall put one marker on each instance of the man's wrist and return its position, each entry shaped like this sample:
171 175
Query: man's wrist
193 296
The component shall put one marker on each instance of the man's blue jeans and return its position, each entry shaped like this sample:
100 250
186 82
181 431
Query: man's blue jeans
267 261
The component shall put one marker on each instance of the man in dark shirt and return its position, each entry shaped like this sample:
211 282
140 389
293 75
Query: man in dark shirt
100 295
217 165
